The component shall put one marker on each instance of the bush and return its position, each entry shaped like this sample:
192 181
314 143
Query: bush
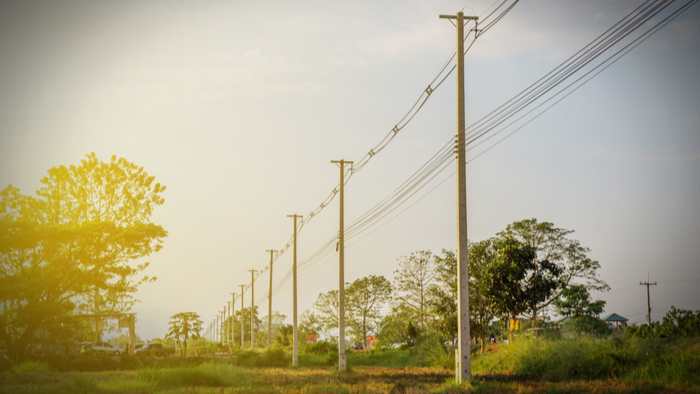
432 353
320 348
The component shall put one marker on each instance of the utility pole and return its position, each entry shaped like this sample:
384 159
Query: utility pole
242 327
342 365
229 339
252 309
269 306
233 319
464 366
647 284
295 345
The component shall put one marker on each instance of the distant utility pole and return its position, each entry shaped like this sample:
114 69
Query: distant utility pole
269 306
229 339
252 309
342 365
464 366
647 284
295 345
216 328
242 327
233 319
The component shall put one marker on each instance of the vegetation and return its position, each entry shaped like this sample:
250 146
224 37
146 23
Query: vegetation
676 323
526 365
67 251
184 326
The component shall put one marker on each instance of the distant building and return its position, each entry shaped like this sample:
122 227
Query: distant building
615 321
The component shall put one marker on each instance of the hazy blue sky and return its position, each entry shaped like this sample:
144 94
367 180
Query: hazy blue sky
239 107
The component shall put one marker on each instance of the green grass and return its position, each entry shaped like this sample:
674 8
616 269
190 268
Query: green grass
527 365
666 361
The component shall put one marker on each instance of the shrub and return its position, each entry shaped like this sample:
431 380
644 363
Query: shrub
320 347
432 353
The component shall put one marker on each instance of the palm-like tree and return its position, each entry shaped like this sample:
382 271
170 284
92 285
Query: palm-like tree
184 325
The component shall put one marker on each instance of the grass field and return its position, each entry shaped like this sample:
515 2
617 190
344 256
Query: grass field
526 366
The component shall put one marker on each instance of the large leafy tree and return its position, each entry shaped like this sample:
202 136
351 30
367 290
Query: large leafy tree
412 281
366 296
184 326
554 245
69 250
443 294
575 301
482 256
397 327
326 306
310 323
517 280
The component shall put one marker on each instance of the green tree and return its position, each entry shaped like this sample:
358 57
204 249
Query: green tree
575 301
412 281
482 256
310 323
183 326
245 313
366 296
397 327
554 245
443 294
285 335
277 322
67 251
516 280
327 308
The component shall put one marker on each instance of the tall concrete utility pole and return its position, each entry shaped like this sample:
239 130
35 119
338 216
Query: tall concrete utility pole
252 309
242 327
465 369
269 305
295 336
342 365
647 284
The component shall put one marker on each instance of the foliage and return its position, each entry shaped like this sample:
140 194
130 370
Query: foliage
576 302
285 336
327 307
68 250
590 325
432 353
244 314
443 294
365 297
516 280
277 322
310 323
183 326
412 281
397 327
676 323
552 244
482 256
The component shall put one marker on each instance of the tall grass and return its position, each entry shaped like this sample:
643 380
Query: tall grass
594 359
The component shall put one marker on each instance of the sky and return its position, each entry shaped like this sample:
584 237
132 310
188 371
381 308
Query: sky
238 108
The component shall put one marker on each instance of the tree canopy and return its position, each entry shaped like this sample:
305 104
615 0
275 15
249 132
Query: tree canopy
184 326
69 250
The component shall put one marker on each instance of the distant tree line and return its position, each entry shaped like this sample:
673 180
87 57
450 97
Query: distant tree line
527 268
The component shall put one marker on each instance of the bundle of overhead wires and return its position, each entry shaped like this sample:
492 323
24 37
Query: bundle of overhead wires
606 49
